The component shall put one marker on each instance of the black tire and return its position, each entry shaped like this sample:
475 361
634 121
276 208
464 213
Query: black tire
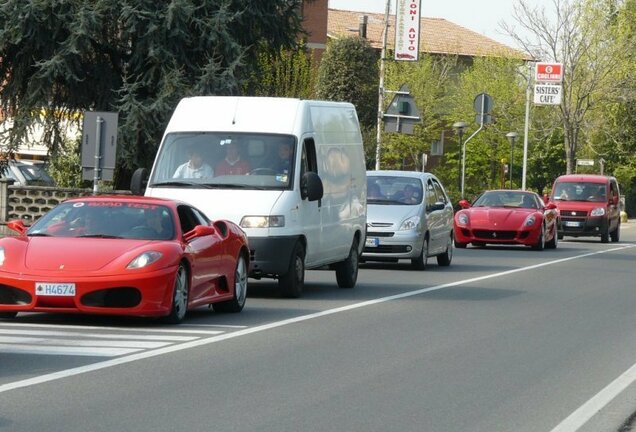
615 235
291 284
180 293
552 244
540 245
240 289
445 259
347 270
8 315
420 262
605 235
460 245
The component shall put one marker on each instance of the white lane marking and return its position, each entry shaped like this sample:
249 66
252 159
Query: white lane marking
97 335
136 329
213 326
71 351
586 411
82 343
201 342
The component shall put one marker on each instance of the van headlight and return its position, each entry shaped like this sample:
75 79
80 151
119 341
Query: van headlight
410 224
598 211
262 222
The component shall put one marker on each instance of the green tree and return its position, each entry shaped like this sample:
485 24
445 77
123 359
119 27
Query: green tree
138 58
287 73
348 72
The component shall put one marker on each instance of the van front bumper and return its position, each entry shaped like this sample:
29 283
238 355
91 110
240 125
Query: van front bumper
270 256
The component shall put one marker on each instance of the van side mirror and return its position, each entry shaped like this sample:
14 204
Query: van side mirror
311 186
139 181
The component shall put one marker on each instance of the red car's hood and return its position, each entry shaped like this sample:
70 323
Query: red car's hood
86 254
489 216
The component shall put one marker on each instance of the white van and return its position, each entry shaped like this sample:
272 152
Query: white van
290 172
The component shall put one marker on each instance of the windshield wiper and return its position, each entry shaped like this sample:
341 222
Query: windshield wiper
174 183
39 234
105 236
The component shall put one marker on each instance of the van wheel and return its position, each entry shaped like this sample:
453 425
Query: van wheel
347 270
616 234
291 283
445 259
419 263
605 236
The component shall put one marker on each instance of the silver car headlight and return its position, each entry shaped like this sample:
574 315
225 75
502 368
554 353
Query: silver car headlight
598 211
144 260
530 220
262 222
410 224
462 219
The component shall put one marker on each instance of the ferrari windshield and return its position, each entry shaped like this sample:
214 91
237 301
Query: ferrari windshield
106 219
507 199
225 160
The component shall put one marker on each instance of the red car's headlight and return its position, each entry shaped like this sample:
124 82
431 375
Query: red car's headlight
1 256
144 259
462 219
530 220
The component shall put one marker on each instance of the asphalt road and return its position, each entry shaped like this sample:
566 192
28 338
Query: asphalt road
505 339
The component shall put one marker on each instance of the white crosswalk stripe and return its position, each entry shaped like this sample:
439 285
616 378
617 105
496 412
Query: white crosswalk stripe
70 340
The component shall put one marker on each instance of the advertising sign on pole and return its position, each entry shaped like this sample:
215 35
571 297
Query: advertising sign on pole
547 94
407 30
549 72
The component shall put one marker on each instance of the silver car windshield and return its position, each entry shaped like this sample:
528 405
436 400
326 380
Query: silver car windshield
388 190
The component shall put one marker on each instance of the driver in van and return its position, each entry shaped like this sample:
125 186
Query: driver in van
232 164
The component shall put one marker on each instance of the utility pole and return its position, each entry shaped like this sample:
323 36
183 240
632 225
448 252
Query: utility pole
381 87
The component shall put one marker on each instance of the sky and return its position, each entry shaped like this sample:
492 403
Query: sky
481 16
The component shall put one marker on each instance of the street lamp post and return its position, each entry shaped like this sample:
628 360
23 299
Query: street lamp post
512 136
459 127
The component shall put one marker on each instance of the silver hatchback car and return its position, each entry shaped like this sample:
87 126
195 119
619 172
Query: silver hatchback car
409 216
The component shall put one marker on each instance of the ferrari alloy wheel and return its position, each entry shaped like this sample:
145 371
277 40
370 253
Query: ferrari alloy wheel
445 258
419 263
347 270
179 296
8 315
240 289
291 283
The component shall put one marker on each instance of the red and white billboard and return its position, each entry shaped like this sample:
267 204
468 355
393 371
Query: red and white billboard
549 72
407 30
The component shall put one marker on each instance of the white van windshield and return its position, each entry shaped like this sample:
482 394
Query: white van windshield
225 160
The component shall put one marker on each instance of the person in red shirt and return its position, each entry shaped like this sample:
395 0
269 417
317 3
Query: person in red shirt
232 164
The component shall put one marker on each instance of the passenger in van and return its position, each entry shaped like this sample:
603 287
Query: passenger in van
283 161
409 195
374 192
194 167
232 164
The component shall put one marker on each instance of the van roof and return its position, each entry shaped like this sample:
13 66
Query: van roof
589 178
246 114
